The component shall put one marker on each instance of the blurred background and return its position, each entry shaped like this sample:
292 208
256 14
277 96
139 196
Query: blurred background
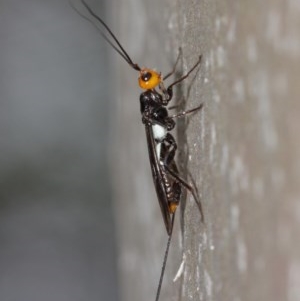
56 223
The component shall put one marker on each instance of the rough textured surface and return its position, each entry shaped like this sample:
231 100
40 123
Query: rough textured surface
242 150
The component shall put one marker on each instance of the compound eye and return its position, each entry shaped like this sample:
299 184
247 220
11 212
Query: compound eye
149 79
146 76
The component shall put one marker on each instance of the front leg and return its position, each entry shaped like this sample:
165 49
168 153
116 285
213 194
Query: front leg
167 94
169 147
151 118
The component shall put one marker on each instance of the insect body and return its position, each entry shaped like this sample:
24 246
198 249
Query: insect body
162 148
161 143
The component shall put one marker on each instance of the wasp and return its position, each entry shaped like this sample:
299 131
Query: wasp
161 143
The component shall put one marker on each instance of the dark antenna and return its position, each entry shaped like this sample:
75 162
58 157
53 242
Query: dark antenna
118 49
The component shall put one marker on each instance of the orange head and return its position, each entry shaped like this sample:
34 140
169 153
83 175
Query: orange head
149 79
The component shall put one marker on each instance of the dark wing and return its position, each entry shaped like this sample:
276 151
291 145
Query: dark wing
157 179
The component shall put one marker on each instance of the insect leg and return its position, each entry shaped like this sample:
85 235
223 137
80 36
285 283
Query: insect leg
169 89
167 94
167 122
188 187
170 149
175 65
183 113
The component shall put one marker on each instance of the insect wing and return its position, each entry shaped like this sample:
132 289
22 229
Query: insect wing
157 178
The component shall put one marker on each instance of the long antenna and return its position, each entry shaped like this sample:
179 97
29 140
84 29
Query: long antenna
120 50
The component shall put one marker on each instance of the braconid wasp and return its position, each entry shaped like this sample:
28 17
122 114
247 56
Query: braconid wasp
158 124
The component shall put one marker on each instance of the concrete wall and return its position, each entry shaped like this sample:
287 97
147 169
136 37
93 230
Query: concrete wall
242 150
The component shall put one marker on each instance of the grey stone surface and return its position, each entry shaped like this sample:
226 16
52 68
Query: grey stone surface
242 151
